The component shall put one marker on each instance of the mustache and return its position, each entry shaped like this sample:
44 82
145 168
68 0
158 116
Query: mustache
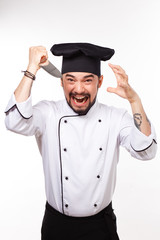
71 94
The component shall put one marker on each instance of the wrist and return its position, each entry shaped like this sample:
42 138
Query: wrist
134 99
29 75
32 69
135 103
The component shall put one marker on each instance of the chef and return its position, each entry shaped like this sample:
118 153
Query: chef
79 140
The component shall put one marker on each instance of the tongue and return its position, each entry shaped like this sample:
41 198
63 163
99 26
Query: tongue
80 100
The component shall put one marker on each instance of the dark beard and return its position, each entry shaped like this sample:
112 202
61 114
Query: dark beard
83 112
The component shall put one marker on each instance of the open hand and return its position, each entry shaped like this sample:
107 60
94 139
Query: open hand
123 88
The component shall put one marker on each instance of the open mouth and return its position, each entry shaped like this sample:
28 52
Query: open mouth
80 100
80 103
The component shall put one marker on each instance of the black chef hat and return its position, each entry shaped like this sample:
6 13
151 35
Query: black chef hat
82 57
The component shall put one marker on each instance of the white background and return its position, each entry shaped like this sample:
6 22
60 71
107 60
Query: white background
132 29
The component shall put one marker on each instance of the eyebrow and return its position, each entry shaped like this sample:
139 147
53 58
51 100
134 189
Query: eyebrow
69 75
87 76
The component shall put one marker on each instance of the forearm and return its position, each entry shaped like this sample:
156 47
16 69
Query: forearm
23 90
37 55
125 91
140 118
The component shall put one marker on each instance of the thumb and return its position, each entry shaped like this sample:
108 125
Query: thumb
44 61
111 90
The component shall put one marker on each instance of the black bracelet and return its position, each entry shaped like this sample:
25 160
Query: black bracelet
29 75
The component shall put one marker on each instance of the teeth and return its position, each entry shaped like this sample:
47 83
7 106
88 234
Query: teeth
80 97
76 100
80 100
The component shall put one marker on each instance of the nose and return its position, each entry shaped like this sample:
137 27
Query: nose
79 88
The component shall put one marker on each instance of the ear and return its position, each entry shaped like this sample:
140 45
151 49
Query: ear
61 82
100 81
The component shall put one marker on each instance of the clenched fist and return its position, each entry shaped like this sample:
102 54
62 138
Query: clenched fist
38 56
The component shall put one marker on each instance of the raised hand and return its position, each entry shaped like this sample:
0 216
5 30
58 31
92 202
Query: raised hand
123 88
38 56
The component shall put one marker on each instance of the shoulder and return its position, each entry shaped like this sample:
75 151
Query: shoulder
111 110
49 106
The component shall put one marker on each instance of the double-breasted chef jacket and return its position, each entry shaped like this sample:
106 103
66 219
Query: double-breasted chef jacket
80 153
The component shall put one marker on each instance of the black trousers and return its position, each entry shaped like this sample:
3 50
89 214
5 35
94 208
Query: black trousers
57 226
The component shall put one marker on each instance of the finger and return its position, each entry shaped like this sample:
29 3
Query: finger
119 73
43 59
44 64
111 90
41 48
43 56
116 68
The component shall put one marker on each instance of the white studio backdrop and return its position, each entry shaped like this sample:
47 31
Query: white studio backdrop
132 29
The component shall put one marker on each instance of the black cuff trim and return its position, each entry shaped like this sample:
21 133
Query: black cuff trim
10 109
154 141
18 111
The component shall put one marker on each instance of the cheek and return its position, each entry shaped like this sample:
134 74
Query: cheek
67 89
93 91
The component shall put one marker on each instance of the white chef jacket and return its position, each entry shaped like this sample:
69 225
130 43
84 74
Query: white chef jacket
80 153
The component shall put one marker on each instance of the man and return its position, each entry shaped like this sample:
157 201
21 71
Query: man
79 140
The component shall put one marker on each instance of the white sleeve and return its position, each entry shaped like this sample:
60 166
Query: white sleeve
138 144
24 119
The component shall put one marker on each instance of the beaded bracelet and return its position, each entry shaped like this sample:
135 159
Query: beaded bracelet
29 75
